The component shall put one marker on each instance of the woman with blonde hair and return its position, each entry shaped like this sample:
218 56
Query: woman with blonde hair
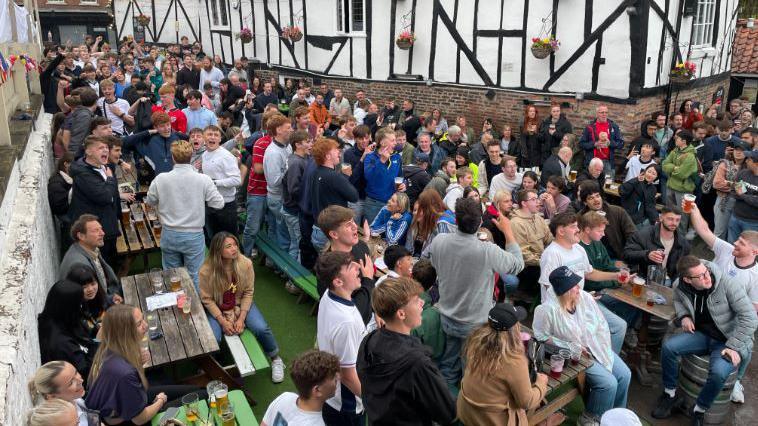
53 412
430 218
226 281
394 219
118 387
60 380
496 389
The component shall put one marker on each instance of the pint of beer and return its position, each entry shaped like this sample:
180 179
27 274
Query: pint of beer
222 399
689 201
176 283
572 176
637 286
125 214
157 228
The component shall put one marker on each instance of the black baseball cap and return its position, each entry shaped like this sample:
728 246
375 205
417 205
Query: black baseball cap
740 144
503 316
563 279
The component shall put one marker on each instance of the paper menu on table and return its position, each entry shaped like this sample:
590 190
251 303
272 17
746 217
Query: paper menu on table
159 301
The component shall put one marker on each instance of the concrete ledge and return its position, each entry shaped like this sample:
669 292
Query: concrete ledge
28 267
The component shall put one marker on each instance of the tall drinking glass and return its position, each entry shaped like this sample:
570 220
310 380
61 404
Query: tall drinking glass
156 277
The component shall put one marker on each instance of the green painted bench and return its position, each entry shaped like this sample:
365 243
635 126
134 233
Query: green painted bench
242 412
247 353
301 277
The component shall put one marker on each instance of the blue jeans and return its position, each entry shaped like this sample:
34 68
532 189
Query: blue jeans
511 283
371 208
292 225
256 209
254 322
183 249
607 389
450 363
277 228
737 225
616 326
696 343
358 209
318 238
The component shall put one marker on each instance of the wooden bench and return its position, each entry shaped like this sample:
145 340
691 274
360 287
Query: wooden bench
301 277
247 353
242 412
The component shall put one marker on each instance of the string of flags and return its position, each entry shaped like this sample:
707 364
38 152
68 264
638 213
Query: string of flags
5 66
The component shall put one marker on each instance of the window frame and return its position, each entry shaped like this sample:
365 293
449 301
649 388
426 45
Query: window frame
342 18
219 9
703 24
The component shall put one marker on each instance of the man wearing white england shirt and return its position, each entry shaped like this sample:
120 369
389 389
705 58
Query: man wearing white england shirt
221 166
737 261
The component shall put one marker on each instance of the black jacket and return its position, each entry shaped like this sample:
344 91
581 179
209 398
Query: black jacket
638 199
353 156
94 195
648 239
562 126
551 167
57 194
190 77
585 175
390 115
644 139
533 150
233 94
330 187
49 84
416 180
401 384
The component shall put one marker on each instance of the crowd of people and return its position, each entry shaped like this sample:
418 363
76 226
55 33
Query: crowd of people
479 226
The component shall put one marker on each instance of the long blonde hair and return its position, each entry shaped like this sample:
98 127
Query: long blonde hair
120 337
42 384
219 282
49 412
487 349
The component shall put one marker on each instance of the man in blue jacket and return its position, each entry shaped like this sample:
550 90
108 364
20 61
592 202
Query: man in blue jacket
596 145
155 144
380 169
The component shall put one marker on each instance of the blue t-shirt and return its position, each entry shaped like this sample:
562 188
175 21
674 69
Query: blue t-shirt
117 392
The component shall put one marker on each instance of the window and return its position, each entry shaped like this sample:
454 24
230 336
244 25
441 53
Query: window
702 25
350 16
219 15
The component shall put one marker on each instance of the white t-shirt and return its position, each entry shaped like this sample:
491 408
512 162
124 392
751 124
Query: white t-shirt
284 411
117 124
339 331
634 167
501 182
554 256
746 276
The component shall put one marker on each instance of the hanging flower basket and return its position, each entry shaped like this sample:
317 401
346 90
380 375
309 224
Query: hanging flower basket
682 73
405 40
293 33
543 47
143 19
245 35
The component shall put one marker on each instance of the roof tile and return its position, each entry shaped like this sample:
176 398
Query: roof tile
745 49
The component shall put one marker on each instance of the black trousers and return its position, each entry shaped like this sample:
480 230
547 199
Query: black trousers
308 254
528 280
333 417
223 219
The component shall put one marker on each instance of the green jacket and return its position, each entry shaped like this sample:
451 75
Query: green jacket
599 260
681 166
430 331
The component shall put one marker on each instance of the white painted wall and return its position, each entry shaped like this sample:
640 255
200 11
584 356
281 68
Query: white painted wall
28 266
613 77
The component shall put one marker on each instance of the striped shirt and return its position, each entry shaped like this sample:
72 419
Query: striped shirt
257 183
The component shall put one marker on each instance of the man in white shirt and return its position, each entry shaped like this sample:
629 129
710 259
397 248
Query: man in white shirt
566 251
339 105
639 161
315 376
210 74
274 168
508 180
737 261
221 166
340 330
113 108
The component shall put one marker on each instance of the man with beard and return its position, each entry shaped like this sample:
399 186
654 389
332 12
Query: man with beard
620 225
210 74
660 244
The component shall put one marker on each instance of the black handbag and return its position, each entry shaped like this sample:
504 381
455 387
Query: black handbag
536 353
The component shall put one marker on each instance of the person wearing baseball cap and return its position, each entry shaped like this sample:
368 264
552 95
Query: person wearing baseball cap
575 320
496 389
745 215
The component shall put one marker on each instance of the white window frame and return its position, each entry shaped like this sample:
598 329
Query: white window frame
86 2
219 9
56 1
339 13
703 23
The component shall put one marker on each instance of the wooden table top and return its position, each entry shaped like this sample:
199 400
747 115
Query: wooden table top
624 294
138 237
185 336
570 372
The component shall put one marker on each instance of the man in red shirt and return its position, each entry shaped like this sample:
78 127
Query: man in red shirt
256 189
178 119
600 146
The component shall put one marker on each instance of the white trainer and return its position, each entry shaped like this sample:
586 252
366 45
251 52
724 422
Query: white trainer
277 370
738 393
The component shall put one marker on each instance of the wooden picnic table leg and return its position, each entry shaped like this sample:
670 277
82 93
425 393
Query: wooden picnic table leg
214 370
125 265
145 261
639 357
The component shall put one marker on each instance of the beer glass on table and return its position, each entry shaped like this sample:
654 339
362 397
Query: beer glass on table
156 277
176 282
191 407
638 284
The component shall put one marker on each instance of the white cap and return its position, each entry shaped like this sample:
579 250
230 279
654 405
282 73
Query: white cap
620 417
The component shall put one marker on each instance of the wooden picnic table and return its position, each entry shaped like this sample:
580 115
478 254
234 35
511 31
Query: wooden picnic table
185 336
639 358
561 391
243 414
137 238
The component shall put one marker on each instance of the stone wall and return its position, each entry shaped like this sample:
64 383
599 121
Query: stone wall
28 266
507 107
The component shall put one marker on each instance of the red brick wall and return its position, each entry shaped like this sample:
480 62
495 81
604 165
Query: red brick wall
508 107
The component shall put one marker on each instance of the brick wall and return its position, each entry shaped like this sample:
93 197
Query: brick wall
507 107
